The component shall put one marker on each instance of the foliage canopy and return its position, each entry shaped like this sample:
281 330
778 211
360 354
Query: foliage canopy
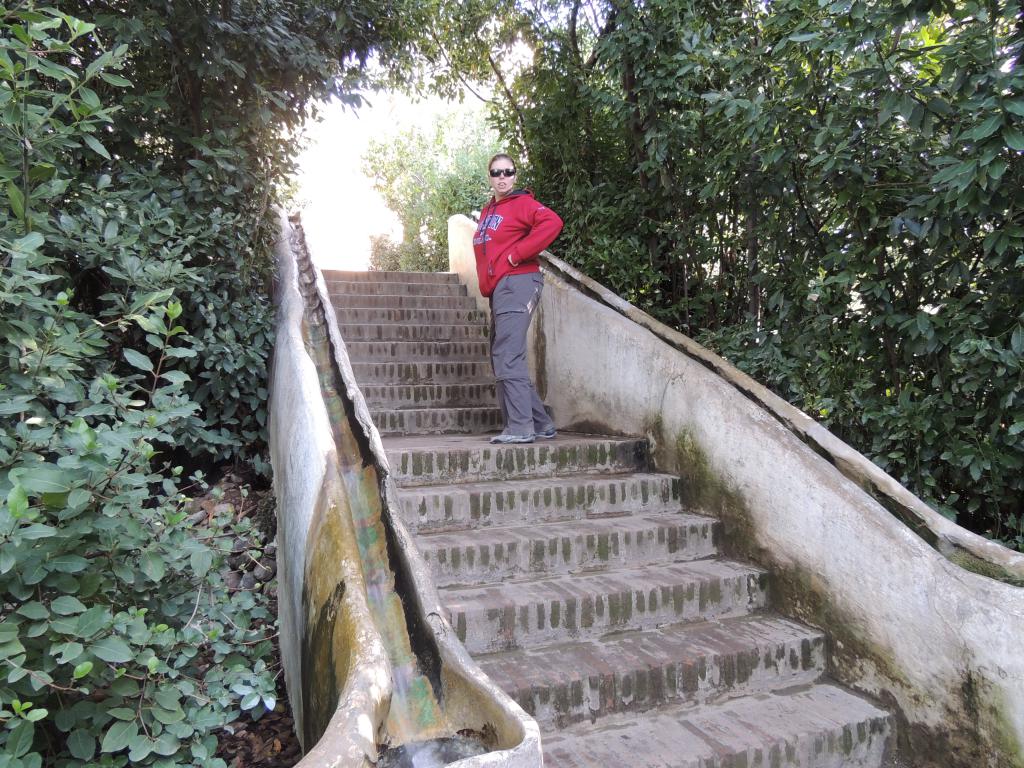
426 175
829 193
142 146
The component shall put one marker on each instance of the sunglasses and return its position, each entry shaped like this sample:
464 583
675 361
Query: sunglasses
507 172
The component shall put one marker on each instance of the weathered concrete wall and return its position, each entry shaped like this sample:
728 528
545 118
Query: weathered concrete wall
339 678
311 526
939 644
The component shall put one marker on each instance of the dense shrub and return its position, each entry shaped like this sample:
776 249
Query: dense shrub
141 150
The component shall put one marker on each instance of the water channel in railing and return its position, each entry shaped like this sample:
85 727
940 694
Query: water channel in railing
432 754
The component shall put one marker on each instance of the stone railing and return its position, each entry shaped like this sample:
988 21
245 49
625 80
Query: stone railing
853 552
370 660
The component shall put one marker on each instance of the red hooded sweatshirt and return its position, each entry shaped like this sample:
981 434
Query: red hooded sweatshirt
516 225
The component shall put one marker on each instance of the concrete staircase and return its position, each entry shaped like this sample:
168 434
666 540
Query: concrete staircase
574 575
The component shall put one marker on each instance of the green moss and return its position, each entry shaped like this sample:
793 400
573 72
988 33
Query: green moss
975 564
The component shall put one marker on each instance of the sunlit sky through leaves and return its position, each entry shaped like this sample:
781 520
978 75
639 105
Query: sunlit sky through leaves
341 209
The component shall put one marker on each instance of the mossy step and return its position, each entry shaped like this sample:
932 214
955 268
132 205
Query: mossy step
397 396
436 420
495 554
394 287
525 614
395 332
408 351
399 301
385 315
692 663
345 275
420 372
819 726
578 497
458 459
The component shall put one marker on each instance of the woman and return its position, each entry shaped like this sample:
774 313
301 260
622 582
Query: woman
514 228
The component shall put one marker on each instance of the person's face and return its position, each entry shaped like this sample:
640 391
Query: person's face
502 184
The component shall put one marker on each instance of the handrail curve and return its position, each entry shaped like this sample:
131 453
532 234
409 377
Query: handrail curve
371 661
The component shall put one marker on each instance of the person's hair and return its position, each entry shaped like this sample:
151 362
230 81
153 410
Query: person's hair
502 156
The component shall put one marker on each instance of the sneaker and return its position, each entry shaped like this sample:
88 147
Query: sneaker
505 438
548 433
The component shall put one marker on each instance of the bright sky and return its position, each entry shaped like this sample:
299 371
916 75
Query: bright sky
342 209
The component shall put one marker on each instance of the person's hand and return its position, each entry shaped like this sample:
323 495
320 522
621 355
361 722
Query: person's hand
513 263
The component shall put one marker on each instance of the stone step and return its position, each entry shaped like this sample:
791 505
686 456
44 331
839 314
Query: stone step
527 614
394 332
376 315
478 505
420 372
818 726
474 420
693 663
337 288
397 396
495 554
411 351
427 461
397 301
445 278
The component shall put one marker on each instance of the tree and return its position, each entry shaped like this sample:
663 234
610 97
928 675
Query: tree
426 175
135 329
829 194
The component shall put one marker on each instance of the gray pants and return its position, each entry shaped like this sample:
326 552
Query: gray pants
512 305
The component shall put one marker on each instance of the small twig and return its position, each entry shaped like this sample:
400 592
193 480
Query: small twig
195 609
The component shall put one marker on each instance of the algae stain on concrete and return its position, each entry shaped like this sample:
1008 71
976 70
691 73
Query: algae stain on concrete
800 594
356 519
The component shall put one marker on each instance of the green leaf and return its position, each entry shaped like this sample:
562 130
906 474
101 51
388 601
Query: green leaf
201 561
43 478
8 632
92 621
79 497
37 531
69 563
168 716
95 145
112 649
140 748
138 360
116 80
30 243
1017 340
167 744
987 128
17 501
66 605
81 744
152 565
34 610
1014 139
83 669
17 200
69 652
118 735
19 740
